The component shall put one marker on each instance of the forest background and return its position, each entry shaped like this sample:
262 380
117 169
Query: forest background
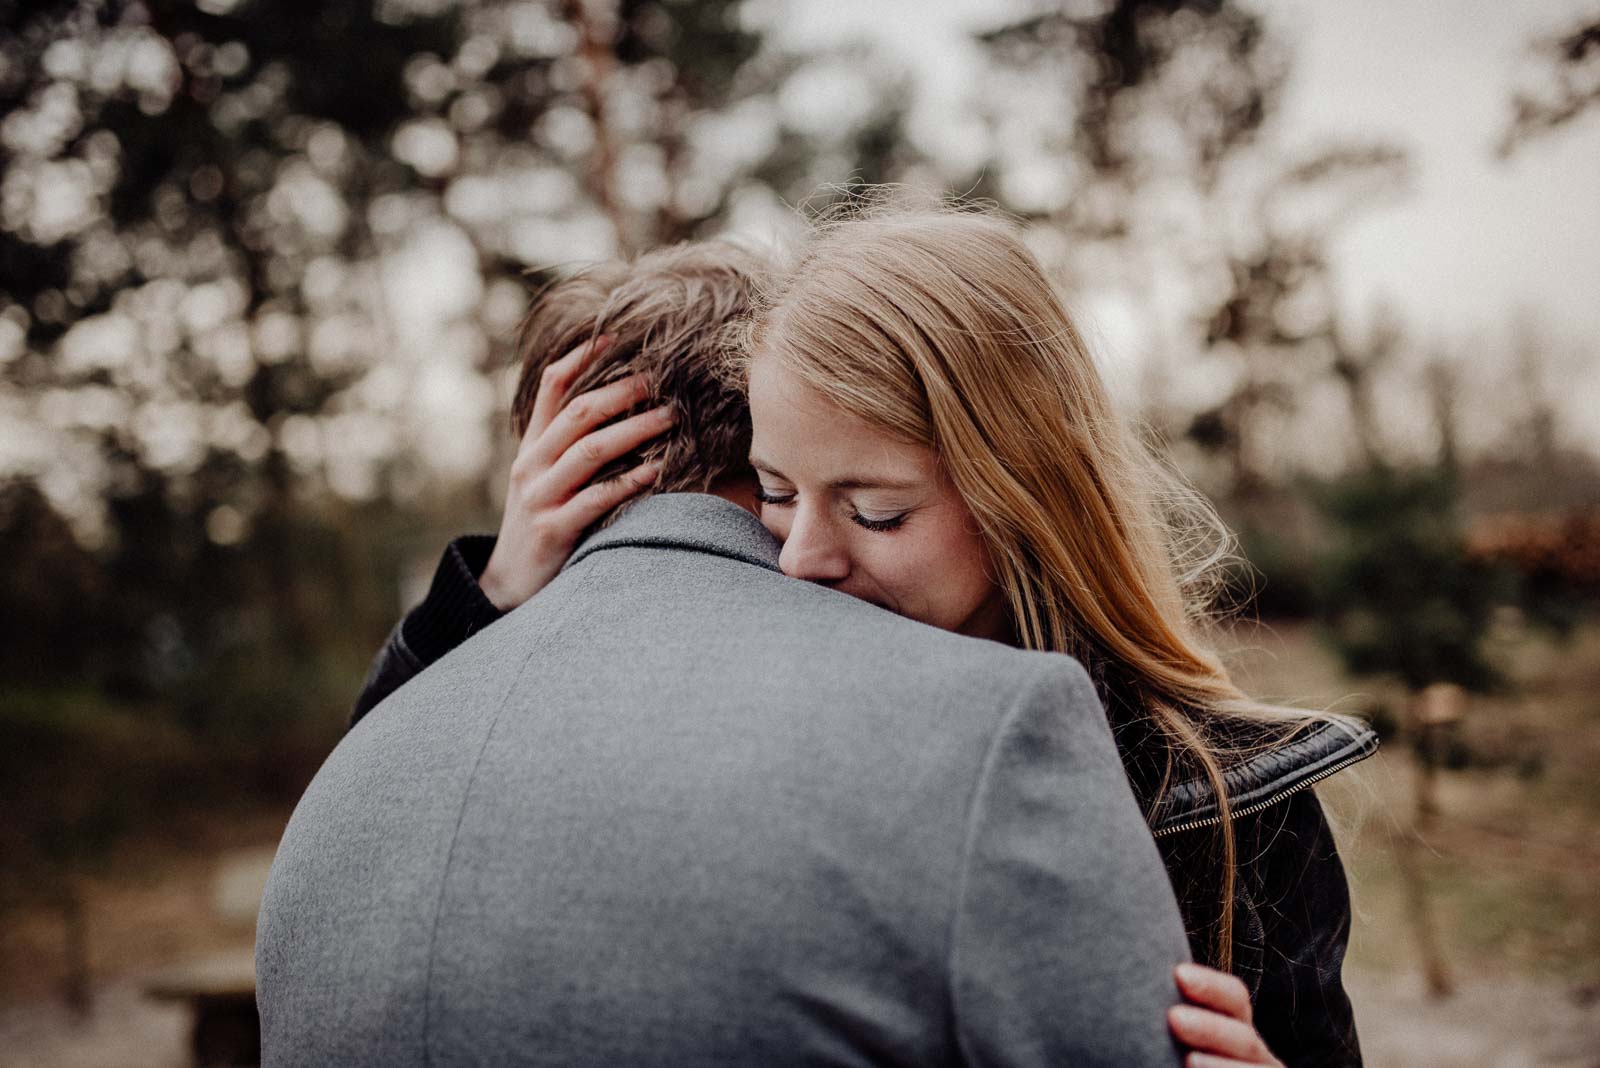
260 270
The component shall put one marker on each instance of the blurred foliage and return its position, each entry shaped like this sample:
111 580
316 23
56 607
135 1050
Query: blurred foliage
1137 58
1555 560
1568 86
238 175
1274 577
224 431
201 198
1169 101
1399 594
48 577
222 475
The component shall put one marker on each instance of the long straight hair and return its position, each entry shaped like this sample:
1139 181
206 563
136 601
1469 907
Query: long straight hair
940 328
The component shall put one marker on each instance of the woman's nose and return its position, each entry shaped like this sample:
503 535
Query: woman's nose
812 551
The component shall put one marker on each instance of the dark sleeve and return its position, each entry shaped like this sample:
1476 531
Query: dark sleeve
1298 889
1065 932
454 609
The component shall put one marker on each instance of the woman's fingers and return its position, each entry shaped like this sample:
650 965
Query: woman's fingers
1208 1060
556 383
534 545
588 507
1205 1031
586 413
548 502
1212 989
578 464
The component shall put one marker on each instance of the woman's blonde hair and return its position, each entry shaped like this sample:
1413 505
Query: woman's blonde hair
941 328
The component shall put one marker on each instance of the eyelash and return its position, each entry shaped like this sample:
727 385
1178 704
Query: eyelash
878 526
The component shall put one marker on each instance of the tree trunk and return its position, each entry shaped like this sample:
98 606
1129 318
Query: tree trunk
1420 911
1431 711
75 929
596 23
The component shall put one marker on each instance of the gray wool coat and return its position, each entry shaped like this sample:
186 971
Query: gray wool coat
680 810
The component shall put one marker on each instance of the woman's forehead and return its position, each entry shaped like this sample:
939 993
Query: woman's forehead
798 432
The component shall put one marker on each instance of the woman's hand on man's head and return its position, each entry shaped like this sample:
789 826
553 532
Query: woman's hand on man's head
549 499
1217 1025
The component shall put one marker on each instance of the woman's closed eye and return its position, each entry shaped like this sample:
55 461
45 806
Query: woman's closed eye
766 496
875 523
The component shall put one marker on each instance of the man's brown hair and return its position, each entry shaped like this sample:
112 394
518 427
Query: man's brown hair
667 314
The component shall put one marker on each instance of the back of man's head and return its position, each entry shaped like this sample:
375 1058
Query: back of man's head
666 315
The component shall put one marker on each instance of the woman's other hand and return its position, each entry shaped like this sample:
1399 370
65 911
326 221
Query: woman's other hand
550 501
1217 1024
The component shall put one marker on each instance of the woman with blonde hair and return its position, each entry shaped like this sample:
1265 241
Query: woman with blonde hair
931 434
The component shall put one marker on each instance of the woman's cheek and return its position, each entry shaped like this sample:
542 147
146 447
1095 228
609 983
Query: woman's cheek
891 566
773 520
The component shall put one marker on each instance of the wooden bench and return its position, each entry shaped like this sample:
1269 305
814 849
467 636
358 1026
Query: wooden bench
221 991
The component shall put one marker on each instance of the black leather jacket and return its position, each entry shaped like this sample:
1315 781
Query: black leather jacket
1291 900
454 610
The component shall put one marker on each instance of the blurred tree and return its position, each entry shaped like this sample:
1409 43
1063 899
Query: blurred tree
259 266
1570 70
213 226
1441 378
47 578
1357 362
197 177
1146 131
1135 93
1400 595
1555 559
1277 324
1405 592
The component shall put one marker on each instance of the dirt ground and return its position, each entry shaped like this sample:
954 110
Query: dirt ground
1496 1024
1488 1023
1510 869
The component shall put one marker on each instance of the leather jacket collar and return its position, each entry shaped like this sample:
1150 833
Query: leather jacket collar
1253 782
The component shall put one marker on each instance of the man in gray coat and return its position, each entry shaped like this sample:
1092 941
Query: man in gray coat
681 810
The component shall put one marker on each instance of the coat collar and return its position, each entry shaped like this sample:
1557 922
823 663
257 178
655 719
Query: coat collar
696 522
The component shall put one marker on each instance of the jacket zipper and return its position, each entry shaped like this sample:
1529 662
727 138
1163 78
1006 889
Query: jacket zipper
1250 810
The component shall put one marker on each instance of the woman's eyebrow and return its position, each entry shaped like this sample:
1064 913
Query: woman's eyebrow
764 467
874 483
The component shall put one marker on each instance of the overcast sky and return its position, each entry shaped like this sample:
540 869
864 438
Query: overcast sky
1476 238
1471 245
